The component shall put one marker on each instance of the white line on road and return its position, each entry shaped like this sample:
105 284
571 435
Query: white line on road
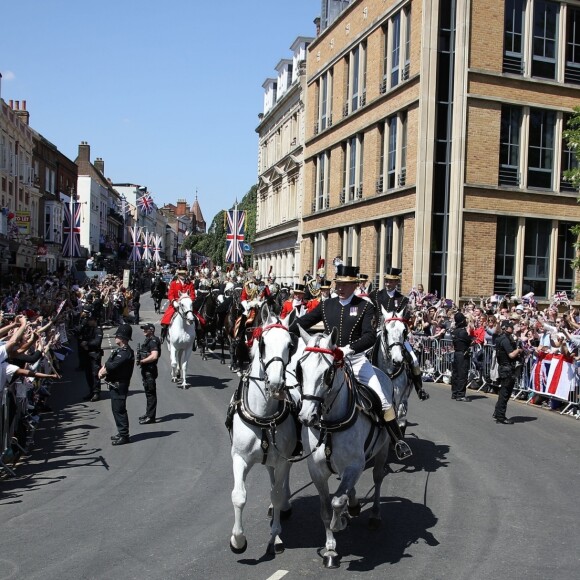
278 575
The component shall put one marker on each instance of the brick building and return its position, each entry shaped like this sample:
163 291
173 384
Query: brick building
433 142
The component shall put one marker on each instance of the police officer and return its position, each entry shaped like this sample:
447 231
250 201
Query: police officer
118 371
507 355
147 358
461 357
353 317
91 342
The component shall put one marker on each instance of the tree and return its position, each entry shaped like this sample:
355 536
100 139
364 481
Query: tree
213 244
572 136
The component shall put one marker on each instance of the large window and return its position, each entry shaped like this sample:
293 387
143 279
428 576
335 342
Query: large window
572 70
393 152
509 154
513 36
541 148
321 200
353 169
355 66
566 254
545 41
396 49
569 161
505 254
324 101
536 257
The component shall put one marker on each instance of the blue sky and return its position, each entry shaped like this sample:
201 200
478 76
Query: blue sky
167 93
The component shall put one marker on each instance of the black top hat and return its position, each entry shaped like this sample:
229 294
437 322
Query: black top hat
325 283
393 273
346 273
299 288
124 331
363 276
147 326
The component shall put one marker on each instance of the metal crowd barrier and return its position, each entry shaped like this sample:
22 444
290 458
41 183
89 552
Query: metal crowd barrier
436 361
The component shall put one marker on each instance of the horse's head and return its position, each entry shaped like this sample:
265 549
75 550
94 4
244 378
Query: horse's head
274 349
315 372
185 308
395 328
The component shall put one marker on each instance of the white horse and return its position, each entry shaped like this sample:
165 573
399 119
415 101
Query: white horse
390 359
337 437
264 430
180 338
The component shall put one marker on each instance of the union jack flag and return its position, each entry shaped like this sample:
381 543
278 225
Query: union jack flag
236 222
71 246
136 243
145 202
561 297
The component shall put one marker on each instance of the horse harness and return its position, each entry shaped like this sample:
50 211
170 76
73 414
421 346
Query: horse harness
356 404
387 347
239 402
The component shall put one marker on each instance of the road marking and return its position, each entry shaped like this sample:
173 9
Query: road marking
278 575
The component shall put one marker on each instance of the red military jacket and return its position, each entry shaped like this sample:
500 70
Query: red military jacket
177 287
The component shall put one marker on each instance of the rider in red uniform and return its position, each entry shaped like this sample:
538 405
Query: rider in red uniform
296 303
176 288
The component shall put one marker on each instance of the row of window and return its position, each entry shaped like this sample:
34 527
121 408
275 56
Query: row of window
278 205
542 40
533 153
395 65
528 244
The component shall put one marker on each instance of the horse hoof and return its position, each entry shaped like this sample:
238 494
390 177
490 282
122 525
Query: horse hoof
354 510
374 523
239 550
270 512
331 561
285 514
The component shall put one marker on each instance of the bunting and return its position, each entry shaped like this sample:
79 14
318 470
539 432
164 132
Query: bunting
135 244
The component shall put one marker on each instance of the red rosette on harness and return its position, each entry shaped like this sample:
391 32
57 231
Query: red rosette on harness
338 355
256 335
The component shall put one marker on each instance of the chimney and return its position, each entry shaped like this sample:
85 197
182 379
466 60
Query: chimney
181 207
100 165
84 151
22 113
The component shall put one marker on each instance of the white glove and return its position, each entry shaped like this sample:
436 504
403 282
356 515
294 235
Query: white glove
347 350
175 304
246 307
220 298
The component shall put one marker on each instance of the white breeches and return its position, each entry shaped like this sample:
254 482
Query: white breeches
365 374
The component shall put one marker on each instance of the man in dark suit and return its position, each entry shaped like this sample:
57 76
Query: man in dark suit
353 316
393 301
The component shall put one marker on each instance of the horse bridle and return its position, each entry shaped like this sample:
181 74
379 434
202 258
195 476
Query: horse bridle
184 314
329 373
398 343
261 349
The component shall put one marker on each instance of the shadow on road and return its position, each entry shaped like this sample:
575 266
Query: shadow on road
404 523
207 382
173 417
521 419
151 435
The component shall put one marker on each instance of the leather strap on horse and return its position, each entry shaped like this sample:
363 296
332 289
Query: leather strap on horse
265 445
336 353
257 332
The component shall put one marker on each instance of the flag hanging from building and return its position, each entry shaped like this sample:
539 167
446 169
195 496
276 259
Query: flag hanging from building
156 247
145 245
236 223
145 203
135 244
71 246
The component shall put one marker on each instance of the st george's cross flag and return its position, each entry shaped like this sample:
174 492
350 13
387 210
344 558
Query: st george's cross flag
560 380
235 228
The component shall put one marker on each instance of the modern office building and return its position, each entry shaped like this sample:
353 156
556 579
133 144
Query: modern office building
434 143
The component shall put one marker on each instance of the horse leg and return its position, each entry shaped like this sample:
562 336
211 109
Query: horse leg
279 499
330 557
353 504
238 542
378 476
184 361
173 360
340 501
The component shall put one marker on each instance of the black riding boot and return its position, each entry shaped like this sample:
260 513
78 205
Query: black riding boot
402 449
164 330
418 383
